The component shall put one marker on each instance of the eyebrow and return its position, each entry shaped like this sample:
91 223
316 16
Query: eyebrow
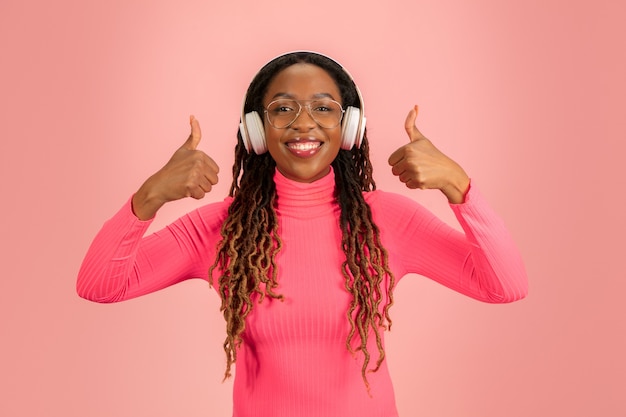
315 96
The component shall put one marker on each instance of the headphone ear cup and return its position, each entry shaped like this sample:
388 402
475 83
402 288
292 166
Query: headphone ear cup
253 134
244 136
361 133
350 133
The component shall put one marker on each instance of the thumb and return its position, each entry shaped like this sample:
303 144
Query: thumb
409 126
194 138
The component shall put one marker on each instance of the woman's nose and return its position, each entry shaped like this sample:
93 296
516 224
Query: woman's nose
304 120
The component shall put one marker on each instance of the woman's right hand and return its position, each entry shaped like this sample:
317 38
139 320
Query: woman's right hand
188 173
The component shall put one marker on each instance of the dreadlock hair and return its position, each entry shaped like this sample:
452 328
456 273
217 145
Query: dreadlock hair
246 255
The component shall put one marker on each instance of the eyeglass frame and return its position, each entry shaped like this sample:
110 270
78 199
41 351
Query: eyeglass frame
309 111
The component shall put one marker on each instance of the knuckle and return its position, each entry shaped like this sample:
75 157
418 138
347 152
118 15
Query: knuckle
190 186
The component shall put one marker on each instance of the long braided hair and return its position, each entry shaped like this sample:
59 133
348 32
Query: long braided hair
246 255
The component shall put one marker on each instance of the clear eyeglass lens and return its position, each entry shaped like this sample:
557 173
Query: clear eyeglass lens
283 112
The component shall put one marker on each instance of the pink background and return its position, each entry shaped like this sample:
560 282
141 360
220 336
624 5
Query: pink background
527 95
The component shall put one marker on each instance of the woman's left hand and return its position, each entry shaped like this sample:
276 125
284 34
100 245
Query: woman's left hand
419 164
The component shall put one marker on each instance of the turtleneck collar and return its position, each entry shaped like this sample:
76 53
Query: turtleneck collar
302 199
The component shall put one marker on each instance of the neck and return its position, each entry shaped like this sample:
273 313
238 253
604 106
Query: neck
302 199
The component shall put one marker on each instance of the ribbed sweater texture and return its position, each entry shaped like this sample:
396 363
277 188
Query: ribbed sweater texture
294 361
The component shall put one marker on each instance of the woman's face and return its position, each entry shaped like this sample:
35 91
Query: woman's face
304 150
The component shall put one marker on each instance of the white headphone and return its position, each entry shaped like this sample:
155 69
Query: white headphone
352 125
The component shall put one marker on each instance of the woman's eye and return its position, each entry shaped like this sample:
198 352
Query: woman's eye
282 108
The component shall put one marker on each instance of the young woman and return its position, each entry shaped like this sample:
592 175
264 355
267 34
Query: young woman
305 253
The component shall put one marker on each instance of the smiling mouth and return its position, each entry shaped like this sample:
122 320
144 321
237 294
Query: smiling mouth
303 146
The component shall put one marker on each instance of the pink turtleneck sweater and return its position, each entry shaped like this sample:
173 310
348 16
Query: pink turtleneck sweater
294 361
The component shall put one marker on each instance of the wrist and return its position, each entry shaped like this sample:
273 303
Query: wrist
145 203
457 190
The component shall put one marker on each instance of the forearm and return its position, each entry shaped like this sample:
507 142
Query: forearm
122 264
495 267
107 267
481 261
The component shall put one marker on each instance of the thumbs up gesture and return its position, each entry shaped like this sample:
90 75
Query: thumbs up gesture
419 164
189 173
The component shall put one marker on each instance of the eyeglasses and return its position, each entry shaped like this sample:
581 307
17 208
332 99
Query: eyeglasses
282 113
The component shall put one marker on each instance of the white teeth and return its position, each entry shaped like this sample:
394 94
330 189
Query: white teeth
304 146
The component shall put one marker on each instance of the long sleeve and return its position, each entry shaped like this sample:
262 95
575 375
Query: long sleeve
122 264
296 347
482 262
